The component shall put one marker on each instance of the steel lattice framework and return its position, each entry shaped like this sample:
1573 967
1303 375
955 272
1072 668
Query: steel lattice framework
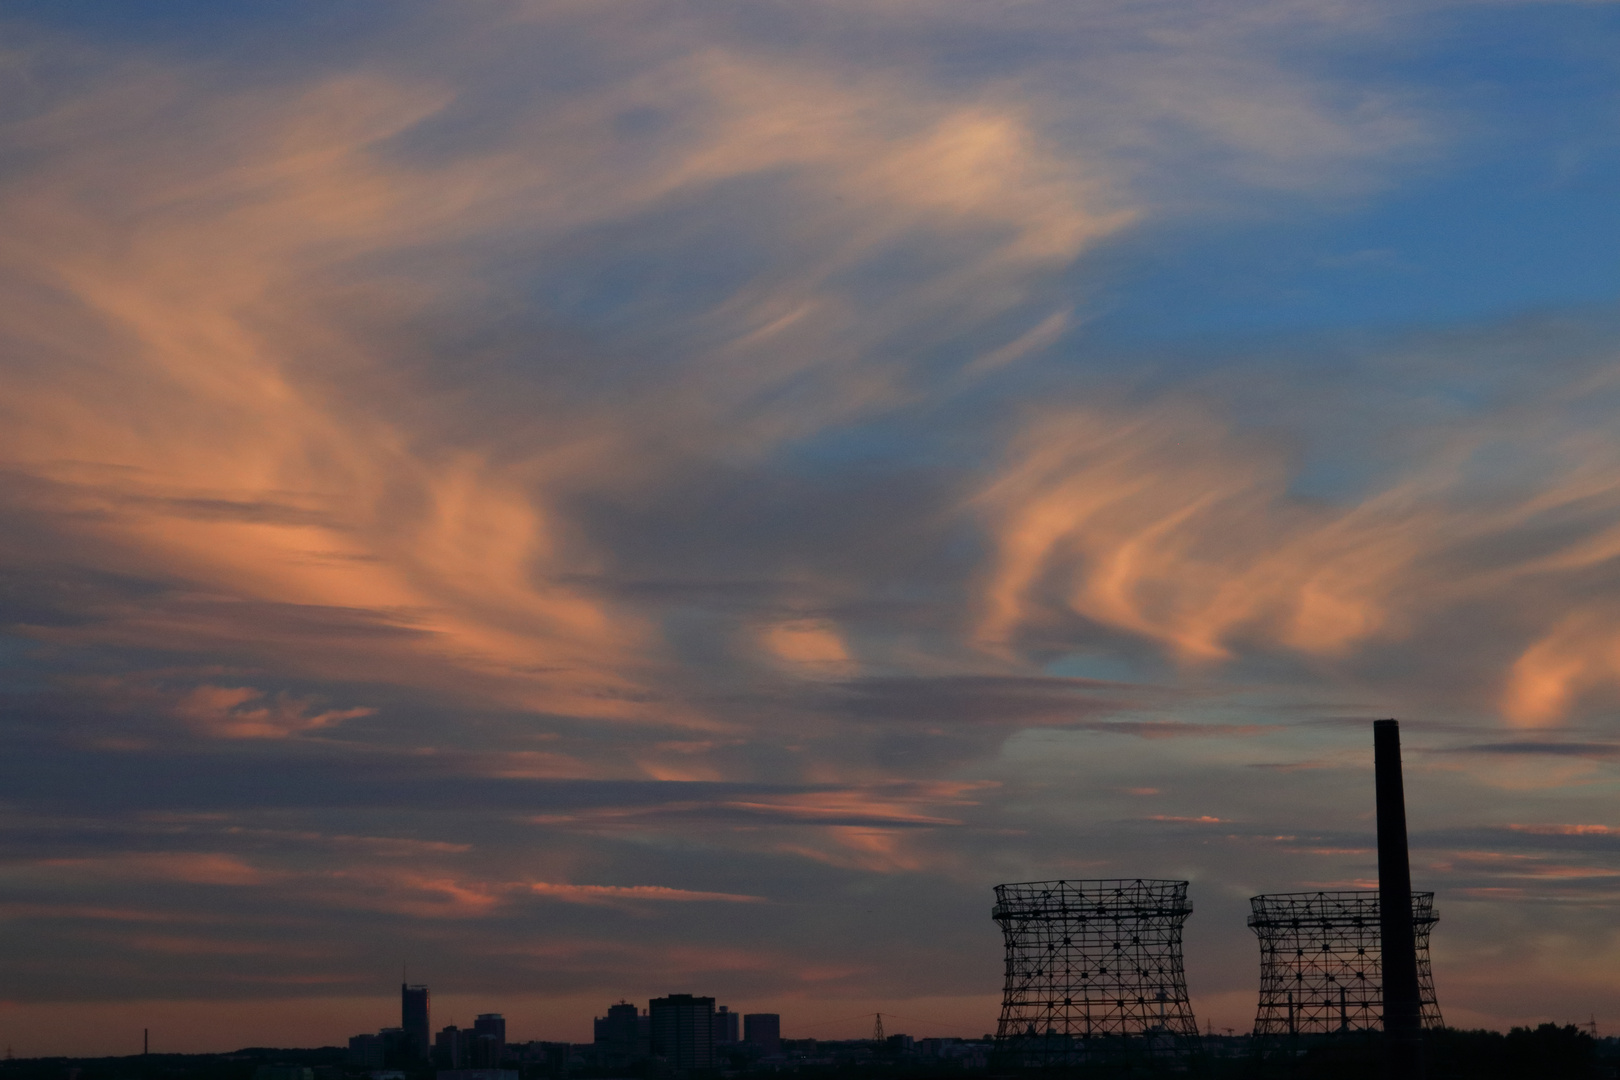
1320 962
1093 968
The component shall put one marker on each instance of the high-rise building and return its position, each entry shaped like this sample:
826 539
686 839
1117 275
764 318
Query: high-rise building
725 1025
763 1030
489 1041
618 1035
683 1030
452 1048
491 1024
413 1019
366 1051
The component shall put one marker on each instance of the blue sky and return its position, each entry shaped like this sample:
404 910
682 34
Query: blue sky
595 502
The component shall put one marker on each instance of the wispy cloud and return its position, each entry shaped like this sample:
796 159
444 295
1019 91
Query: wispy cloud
497 451
1167 523
599 894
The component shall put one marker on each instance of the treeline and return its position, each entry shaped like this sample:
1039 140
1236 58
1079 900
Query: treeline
324 1062
1548 1052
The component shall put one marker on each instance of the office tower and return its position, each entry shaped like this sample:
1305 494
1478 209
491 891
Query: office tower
683 1030
366 1051
725 1025
1321 963
763 1030
453 1048
398 1051
618 1035
491 1024
413 1020
489 1041
1093 972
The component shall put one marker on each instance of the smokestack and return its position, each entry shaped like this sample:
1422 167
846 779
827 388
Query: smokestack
1403 1025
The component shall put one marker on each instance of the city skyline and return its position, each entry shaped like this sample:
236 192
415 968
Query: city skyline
594 501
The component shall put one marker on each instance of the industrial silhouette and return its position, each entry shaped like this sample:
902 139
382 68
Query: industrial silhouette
1321 962
1094 971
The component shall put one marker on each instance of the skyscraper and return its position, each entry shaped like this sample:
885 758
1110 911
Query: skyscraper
618 1035
725 1025
413 1018
452 1048
683 1030
763 1030
489 1041
366 1051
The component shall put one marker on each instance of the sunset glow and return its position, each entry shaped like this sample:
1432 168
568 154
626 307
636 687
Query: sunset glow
596 501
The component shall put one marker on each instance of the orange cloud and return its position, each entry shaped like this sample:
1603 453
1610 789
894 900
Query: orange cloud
596 894
1579 654
184 424
213 396
421 894
875 850
244 713
806 641
197 946
895 803
1163 522
188 867
979 162
443 895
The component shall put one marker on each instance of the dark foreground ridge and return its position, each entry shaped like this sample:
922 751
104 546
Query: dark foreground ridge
1548 1052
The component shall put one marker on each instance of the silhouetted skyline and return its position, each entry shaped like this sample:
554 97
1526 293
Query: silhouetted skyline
591 501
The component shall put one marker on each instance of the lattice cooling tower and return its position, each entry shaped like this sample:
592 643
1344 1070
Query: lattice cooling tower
1093 968
1320 969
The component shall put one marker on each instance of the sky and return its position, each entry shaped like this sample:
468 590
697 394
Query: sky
583 501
